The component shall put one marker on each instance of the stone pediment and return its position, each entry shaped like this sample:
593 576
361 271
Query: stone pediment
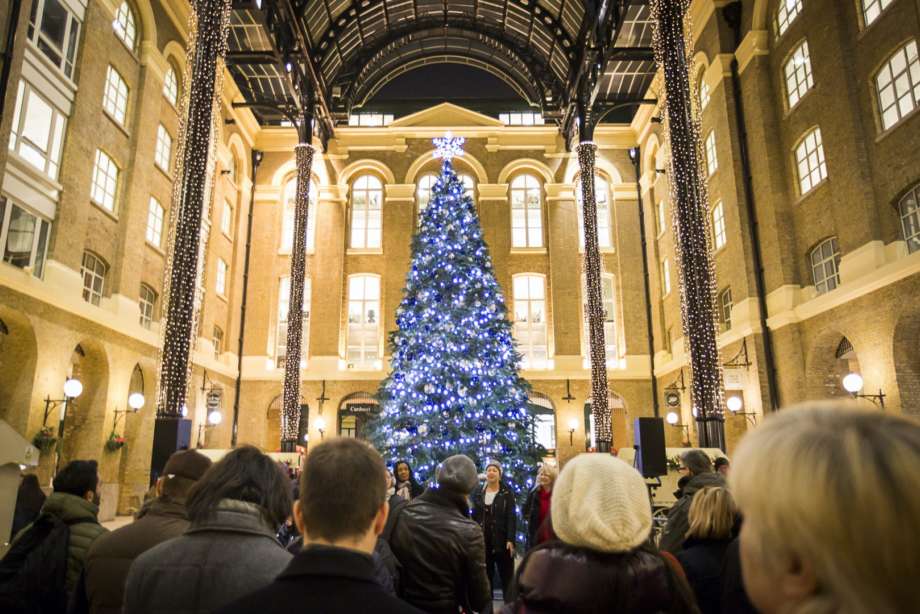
446 114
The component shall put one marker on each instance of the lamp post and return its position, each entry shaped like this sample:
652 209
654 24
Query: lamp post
853 383
674 420
214 418
135 402
321 427
73 388
573 424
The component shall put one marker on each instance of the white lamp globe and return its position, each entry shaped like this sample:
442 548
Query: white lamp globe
734 404
73 388
672 417
573 424
215 418
135 400
321 424
853 383
184 410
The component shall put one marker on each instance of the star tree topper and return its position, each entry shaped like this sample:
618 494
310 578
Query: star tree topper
448 146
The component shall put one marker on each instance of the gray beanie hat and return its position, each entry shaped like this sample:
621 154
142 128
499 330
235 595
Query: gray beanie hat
458 474
496 464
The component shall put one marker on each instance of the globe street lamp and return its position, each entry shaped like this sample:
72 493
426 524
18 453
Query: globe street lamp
674 420
735 404
853 383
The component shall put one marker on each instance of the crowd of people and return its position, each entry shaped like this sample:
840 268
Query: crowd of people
817 512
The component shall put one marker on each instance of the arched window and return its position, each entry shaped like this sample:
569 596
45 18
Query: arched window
115 96
362 341
872 9
703 92
94 272
608 303
287 219
825 265
530 320
366 213
810 165
798 75
125 25
171 86
284 297
786 13
147 302
604 223
423 192
909 211
898 85
526 212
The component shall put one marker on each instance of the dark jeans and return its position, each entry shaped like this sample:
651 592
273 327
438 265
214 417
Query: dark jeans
504 562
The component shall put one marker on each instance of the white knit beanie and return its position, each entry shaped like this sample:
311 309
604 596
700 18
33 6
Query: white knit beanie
600 502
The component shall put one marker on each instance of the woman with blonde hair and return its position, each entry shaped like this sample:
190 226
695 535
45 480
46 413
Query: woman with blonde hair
712 519
830 496
536 507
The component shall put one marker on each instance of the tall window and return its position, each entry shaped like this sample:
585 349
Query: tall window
154 222
147 302
703 93
226 219
825 265
124 25
526 212
809 160
544 420
610 326
518 118
105 181
38 130
798 74
23 237
712 160
363 334
718 226
217 340
898 85
423 193
171 86
786 13
55 31
284 297
288 217
725 308
93 271
115 96
909 210
604 225
662 219
220 281
530 320
666 277
163 153
872 9
366 213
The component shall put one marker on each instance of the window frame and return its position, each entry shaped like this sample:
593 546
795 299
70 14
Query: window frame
171 92
162 153
661 218
116 96
912 239
781 26
665 271
38 252
96 187
864 11
281 321
604 239
57 131
371 239
226 219
913 85
67 52
827 283
125 26
801 73
525 331
821 166
91 294
156 215
719 233
703 91
220 277
528 185
146 303
712 156
217 341
370 354
725 308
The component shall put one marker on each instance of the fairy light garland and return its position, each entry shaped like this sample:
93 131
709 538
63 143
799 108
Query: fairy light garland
697 279
290 405
595 307
192 189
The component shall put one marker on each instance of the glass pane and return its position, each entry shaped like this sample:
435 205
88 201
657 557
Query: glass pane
20 237
54 22
39 267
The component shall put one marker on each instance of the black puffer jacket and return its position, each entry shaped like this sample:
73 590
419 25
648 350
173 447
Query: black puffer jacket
503 510
556 577
442 553
675 530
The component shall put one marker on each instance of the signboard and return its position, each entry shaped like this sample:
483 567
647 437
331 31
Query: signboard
213 399
733 377
362 408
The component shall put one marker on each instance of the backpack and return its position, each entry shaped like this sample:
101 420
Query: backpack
33 574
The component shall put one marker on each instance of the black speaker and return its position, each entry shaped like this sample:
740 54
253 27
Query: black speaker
651 458
169 435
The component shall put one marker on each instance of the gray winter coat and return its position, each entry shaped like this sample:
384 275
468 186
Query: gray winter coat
214 563
678 522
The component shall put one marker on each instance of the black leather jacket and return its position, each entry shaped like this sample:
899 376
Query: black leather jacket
442 553
504 515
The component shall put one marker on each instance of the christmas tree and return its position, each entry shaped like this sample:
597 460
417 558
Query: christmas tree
454 387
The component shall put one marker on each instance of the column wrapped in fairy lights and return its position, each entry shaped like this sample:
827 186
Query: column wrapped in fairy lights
209 24
595 306
691 220
290 404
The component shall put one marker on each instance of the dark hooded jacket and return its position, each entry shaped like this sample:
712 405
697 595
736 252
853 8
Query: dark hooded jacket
678 522
504 527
